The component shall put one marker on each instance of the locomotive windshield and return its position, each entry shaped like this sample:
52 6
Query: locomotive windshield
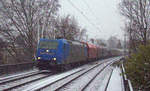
48 44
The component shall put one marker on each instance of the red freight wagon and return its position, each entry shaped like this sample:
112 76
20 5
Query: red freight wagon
92 51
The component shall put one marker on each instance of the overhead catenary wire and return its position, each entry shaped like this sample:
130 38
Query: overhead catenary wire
83 15
89 8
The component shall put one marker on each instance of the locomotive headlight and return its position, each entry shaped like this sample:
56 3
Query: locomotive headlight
39 58
47 50
54 59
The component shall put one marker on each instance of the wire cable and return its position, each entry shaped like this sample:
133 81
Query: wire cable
83 15
89 8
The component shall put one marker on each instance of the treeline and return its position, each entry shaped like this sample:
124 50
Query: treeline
137 24
137 28
24 22
112 42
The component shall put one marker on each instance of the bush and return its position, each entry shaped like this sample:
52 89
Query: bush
138 68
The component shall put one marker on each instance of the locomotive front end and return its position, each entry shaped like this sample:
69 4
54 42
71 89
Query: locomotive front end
47 53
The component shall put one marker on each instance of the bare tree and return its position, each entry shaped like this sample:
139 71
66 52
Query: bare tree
2 44
138 18
26 21
68 28
112 42
119 45
138 30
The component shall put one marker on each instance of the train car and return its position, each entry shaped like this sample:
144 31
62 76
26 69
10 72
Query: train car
59 53
77 52
92 51
48 51
99 55
115 52
104 53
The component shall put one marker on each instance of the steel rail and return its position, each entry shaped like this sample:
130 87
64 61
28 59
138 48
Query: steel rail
78 77
38 89
14 87
18 77
20 85
99 72
49 84
108 80
83 74
71 79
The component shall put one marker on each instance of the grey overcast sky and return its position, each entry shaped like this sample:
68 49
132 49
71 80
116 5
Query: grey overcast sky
103 13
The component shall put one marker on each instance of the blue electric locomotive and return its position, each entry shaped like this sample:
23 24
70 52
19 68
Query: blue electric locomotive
59 53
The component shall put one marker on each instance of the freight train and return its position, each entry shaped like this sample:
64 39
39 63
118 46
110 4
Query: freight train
61 53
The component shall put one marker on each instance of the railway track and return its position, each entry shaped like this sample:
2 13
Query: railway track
39 81
13 82
61 83
84 86
17 82
108 81
80 74
99 72
17 77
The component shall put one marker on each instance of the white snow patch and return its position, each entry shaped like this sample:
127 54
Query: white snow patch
116 81
103 84
50 80
100 81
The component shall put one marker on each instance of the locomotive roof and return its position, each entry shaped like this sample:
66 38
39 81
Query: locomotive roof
43 39
75 42
64 40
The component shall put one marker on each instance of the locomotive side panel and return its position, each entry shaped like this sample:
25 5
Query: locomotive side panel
77 53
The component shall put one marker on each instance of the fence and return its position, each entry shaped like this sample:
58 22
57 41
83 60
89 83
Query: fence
127 82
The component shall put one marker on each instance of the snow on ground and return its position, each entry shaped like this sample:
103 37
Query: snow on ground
79 83
99 83
116 81
49 80
58 84
17 82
